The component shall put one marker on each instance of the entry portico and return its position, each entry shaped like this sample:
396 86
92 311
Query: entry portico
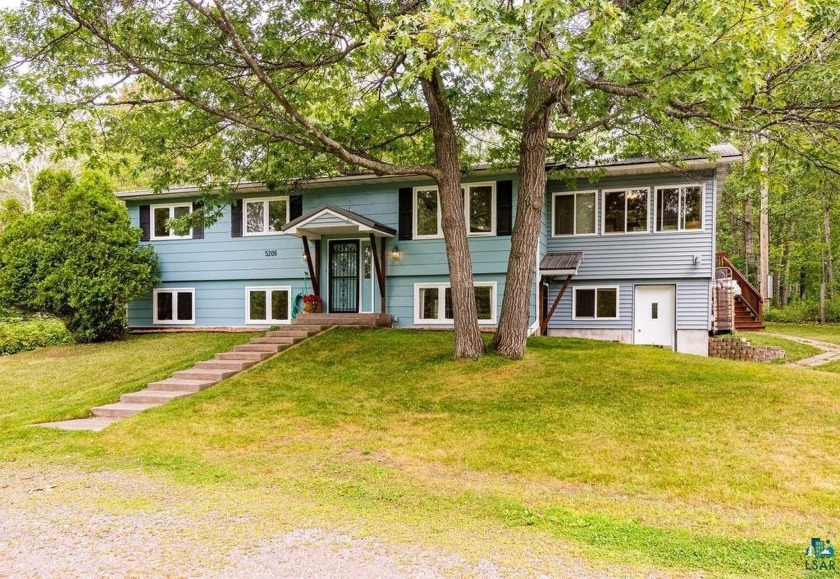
344 232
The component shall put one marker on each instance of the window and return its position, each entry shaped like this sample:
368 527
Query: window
574 213
626 211
479 210
426 213
480 207
433 303
267 305
596 303
174 305
161 214
265 216
679 208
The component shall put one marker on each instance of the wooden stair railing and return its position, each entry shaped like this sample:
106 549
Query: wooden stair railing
750 296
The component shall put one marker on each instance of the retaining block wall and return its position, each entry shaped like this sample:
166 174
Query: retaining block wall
741 349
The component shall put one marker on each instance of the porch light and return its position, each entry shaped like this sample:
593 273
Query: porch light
395 253
698 259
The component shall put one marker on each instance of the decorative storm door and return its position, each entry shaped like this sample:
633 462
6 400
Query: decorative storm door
344 276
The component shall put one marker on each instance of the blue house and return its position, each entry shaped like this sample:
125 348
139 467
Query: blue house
626 254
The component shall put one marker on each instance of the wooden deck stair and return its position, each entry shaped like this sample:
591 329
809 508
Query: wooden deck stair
749 306
226 364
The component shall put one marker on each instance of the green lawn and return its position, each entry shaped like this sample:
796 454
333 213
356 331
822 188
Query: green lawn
793 350
638 460
823 332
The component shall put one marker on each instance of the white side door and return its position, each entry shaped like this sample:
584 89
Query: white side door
655 315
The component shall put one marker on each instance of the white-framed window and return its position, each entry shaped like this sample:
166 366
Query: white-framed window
427 213
161 214
173 305
479 210
264 216
625 210
268 305
600 303
433 303
679 208
573 213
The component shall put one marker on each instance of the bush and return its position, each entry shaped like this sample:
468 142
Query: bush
20 335
799 312
76 257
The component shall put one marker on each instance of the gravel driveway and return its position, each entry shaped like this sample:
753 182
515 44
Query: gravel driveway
60 522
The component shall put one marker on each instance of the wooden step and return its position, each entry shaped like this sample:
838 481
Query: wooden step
270 348
247 356
237 365
121 409
176 385
150 396
202 374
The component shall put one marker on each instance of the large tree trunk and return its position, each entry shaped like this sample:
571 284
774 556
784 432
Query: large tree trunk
512 334
468 340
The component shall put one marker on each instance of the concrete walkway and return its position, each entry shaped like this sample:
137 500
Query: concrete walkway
830 352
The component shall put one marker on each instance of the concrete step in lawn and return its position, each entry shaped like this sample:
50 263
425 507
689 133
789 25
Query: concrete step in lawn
200 377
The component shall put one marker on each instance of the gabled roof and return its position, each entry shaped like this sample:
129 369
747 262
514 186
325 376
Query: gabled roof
331 219
567 263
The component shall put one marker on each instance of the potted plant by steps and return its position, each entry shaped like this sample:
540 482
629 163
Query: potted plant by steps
312 304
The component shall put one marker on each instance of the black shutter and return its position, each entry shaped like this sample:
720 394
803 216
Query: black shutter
236 218
295 206
406 212
145 223
504 207
198 228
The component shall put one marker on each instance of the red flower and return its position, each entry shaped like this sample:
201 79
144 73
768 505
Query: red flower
312 299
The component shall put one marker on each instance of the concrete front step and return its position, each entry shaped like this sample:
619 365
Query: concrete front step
237 365
301 334
286 341
204 374
270 348
176 385
247 356
149 396
311 328
121 409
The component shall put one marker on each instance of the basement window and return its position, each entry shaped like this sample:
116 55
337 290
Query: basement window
268 305
433 303
595 303
173 305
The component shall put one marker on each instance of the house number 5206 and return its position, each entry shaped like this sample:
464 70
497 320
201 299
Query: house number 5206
271 253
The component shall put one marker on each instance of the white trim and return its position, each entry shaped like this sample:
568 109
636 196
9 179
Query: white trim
266 289
574 215
414 212
171 207
172 290
265 201
443 321
625 190
680 216
596 288
465 187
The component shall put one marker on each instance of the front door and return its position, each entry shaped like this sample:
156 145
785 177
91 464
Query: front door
655 315
344 276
